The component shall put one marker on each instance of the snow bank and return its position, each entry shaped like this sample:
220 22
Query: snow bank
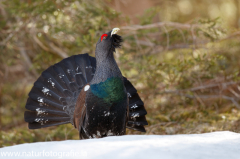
216 145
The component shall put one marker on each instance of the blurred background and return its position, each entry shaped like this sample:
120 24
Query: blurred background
183 56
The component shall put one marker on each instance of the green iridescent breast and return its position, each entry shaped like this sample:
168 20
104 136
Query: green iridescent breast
111 90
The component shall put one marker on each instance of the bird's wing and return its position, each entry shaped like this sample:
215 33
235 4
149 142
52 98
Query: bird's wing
80 109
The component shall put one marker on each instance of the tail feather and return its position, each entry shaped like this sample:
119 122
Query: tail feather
43 116
33 106
53 97
62 75
45 101
88 67
48 93
38 125
48 79
136 114
135 103
137 111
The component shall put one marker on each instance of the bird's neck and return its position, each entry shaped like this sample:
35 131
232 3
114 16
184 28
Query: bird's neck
107 82
106 68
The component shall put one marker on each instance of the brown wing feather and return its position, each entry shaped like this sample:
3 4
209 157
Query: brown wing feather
127 112
80 110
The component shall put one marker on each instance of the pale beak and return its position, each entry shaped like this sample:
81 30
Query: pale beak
114 31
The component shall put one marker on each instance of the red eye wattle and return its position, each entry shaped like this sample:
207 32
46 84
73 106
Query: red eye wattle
104 36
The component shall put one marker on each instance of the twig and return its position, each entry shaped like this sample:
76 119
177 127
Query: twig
161 24
199 99
214 96
138 45
230 36
40 44
181 32
2 43
233 92
167 36
57 50
27 59
223 85
146 43
193 37
152 127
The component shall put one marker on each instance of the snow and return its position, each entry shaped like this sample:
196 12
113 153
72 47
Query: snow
216 145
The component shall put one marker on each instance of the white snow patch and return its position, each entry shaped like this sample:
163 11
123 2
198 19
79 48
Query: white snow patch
86 88
216 145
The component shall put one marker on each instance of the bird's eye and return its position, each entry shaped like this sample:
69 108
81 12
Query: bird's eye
104 36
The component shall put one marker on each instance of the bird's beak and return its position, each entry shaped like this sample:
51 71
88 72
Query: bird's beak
114 31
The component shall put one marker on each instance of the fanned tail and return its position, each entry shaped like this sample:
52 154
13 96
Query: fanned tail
53 97
137 111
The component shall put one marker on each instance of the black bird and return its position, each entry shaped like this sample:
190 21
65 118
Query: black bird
90 93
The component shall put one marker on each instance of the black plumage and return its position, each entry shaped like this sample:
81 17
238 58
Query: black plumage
88 92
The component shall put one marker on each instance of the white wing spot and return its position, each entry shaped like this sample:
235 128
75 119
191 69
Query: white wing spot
68 71
129 95
107 114
134 115
37 119
39 111
86 88
40 100
50 81
60 76
134 106
45 91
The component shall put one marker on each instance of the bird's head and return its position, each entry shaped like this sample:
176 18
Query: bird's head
107 43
